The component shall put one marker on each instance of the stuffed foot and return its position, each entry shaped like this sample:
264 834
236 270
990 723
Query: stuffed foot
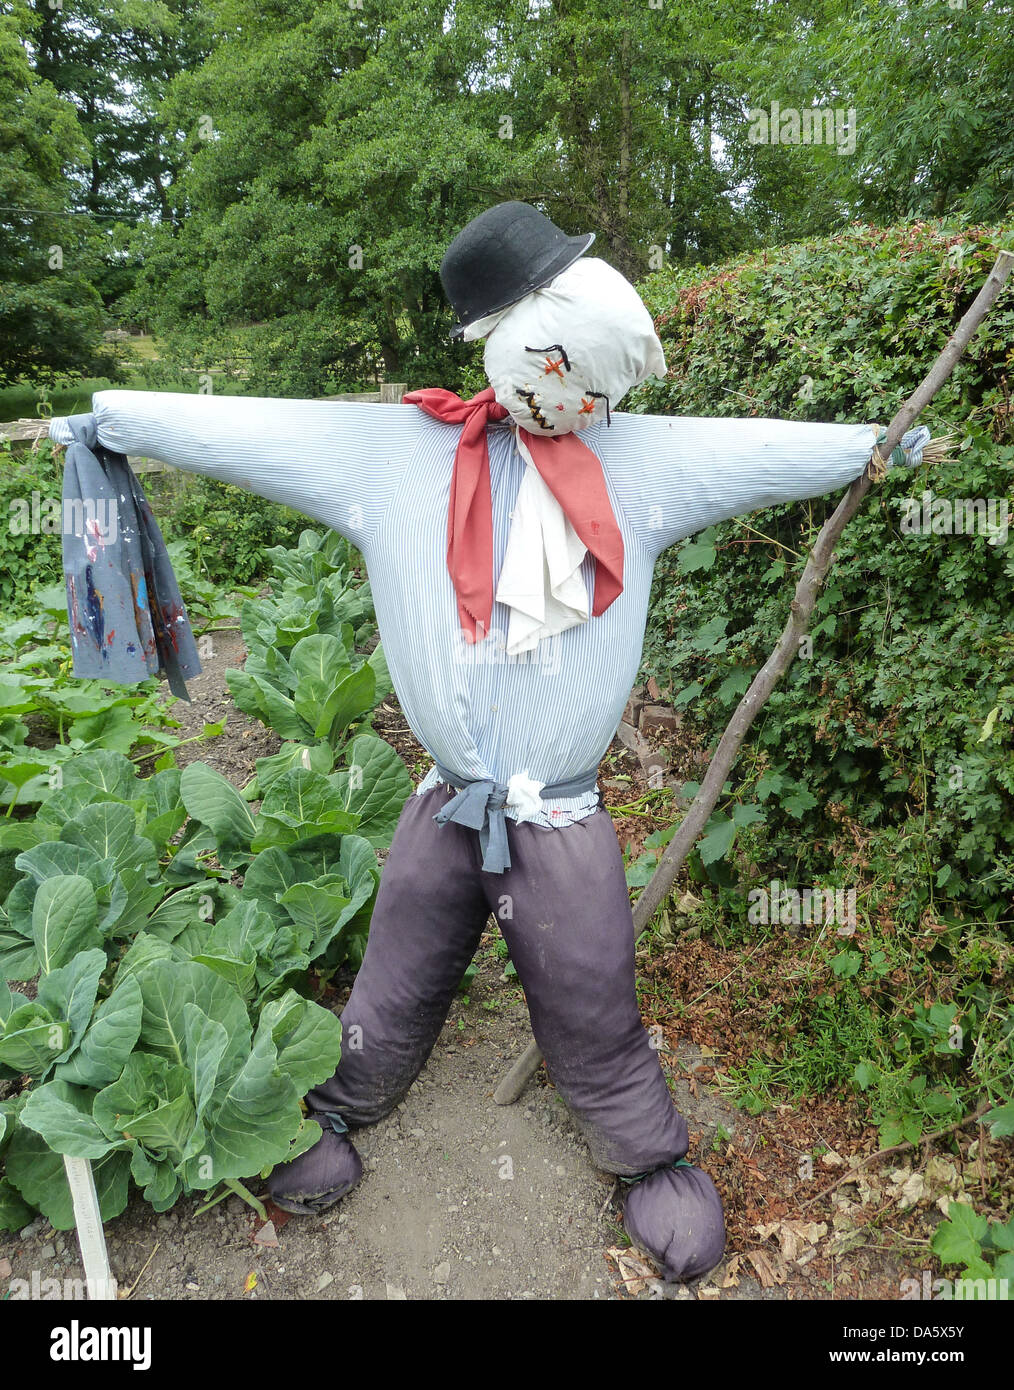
675 1214
318 1178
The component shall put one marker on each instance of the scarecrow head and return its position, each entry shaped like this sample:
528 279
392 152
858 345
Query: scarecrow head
566 336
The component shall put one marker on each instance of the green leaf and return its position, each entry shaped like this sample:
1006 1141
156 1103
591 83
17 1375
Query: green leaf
70 991
270 874
109 1040
710 636
382 676
318 757
64 920
167 987
157 1177
205 1046
280 712
846 964
734 684
198 902
300 802
54 857
15 1213
865 1075
958 1240
18 958
696 555
719 839
351 698
61 1114
769 783
306 1036
109 828
990 725
33 1039
374 784
39 1176
150 1103
688 693
251 1121
165 812
799 802
216 803
320 658
105 774
1001 1121
1001 1237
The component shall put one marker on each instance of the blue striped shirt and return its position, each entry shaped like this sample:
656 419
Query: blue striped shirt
380 475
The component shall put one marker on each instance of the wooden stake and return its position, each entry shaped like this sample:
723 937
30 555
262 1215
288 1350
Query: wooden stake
90 1234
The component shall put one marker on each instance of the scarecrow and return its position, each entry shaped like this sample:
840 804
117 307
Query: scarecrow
510 541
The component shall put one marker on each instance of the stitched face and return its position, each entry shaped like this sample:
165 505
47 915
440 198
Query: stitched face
563 357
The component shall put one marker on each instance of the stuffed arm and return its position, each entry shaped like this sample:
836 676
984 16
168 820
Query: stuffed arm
677 475
338 462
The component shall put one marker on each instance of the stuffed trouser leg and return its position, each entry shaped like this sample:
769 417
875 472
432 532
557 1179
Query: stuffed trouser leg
429 916
564 910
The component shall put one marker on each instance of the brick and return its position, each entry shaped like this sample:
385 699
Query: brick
630 738
654 766
632 713
660 718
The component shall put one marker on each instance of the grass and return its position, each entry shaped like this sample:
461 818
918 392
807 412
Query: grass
74 397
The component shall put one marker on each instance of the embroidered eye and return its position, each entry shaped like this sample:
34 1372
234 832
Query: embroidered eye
587 407
550 365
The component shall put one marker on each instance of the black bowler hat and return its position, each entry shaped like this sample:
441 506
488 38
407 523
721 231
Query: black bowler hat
502 255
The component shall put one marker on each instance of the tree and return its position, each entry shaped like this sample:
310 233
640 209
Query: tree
50 313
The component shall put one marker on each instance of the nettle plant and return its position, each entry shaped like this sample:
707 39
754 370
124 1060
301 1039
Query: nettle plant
896 722
884 761
168 1041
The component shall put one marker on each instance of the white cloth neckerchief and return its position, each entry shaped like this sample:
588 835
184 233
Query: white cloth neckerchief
540 579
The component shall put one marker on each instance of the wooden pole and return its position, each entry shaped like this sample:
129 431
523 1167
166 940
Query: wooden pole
90 1235
781 658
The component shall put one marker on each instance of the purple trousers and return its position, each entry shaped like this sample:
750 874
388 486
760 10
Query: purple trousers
564 913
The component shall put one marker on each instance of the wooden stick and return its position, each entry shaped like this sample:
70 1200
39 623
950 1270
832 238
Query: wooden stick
976 1114
90 1235
781 658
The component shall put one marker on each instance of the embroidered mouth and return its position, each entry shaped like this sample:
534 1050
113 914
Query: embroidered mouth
529 398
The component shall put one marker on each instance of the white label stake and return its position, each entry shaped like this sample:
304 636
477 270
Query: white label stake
90 1235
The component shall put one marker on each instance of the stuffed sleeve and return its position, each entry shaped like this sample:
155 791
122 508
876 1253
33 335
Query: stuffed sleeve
337 462
676 475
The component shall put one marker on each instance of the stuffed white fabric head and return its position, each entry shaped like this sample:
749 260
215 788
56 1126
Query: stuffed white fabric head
562 357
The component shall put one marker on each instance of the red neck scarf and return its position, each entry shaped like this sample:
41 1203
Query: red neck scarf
570 470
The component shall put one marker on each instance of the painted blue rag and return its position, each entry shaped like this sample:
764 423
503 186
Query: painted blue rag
127 619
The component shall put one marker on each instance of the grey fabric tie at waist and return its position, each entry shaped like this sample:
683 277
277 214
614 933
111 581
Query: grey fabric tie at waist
479 805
